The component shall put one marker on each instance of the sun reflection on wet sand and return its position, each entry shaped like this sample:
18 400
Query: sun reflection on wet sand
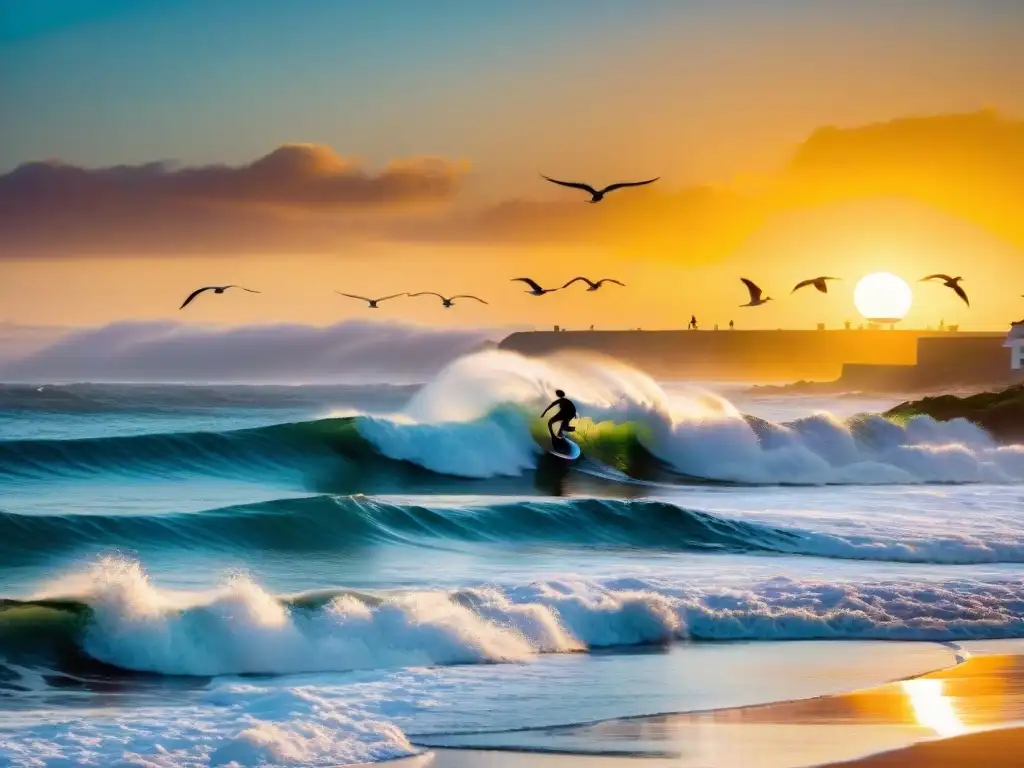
932 708
971 700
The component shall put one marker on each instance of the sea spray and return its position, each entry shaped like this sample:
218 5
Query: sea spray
239 627
478 419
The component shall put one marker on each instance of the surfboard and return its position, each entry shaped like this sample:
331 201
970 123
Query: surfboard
564 448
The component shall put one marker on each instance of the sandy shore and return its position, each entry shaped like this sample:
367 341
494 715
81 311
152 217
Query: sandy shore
1002 748
992 749
968 715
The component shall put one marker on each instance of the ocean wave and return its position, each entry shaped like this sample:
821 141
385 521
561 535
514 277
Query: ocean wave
332 523
339 523
125 622
477 420
508 443
698 434
248 452
170 399
501 444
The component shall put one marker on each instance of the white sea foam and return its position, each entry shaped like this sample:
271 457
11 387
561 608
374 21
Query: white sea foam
325 719
241 628
470 405
238 726
967 547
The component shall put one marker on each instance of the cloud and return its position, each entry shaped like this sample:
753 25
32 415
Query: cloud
306 199
176 352
983 141
701 222
295 198
970 165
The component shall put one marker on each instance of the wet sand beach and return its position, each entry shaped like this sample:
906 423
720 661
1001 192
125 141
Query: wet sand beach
970 714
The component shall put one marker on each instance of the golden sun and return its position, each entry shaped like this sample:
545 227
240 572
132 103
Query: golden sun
882 297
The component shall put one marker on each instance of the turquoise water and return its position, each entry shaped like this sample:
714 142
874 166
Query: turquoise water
333 574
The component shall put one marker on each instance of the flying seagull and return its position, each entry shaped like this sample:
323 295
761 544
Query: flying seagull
372 302
447 303
597 195
817 282
594 286
215 289
535 289
755 294
950 282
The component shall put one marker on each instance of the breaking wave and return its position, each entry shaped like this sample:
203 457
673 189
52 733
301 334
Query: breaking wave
477 419
123 621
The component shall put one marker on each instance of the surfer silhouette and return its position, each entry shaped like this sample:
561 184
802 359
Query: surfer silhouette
566 412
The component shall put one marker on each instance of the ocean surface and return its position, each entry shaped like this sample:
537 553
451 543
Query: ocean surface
322 575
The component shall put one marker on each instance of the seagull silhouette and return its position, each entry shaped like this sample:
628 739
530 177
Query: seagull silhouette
372 302
597 195
535 289
755 294
448 303
817 282
215 289
950 282
594 286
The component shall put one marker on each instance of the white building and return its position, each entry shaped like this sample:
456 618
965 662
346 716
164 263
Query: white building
1015 343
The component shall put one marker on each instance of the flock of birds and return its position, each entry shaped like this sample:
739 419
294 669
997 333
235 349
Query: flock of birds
446 301
757 297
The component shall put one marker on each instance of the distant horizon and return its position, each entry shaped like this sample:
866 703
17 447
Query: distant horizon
340 353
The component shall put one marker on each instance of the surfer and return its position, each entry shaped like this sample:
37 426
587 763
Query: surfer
566 412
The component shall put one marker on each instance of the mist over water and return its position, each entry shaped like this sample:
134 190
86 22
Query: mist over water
349 351
387 558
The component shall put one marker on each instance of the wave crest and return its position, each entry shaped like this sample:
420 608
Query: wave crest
695 433
478 419
339 524
126 622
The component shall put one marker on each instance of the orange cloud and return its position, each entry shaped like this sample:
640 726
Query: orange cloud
305 198
311 175
969 165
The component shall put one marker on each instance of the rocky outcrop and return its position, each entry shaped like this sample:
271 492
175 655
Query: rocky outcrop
1001 413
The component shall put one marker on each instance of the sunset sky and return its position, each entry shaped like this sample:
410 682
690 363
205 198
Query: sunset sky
148 147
